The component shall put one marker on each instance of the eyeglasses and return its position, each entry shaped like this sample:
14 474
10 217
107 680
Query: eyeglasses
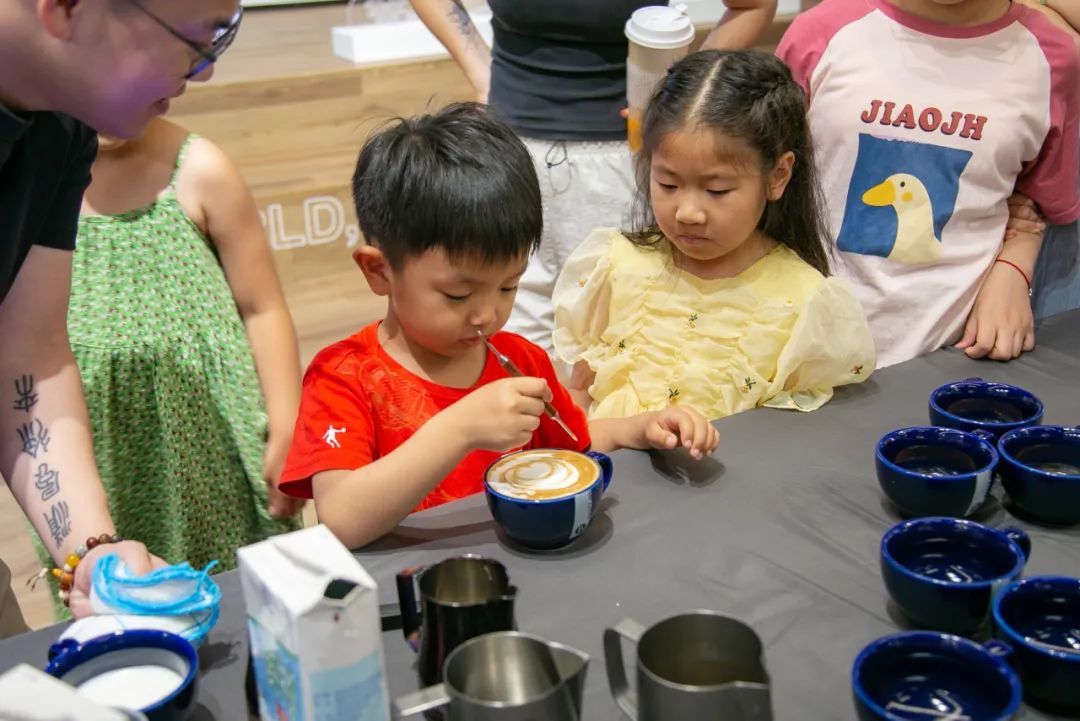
208 54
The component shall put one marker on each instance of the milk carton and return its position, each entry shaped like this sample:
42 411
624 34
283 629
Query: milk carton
313 622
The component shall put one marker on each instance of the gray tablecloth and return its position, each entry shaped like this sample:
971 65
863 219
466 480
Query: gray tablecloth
780 529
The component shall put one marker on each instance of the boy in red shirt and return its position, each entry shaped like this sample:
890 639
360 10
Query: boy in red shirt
407 413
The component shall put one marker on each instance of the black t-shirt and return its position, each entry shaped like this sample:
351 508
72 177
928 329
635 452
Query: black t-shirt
45 161
558 67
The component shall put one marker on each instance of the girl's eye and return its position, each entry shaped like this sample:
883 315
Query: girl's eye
509 290
719 192
666 186
456 298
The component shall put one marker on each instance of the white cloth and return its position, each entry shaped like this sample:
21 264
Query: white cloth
583 185
177 599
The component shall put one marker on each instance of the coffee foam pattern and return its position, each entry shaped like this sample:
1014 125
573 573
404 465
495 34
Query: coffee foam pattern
530 475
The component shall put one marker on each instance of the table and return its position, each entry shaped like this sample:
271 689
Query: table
780 529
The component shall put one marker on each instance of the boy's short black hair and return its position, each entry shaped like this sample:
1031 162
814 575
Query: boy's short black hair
458 179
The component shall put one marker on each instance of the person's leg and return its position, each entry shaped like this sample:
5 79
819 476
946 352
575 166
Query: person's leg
583 186
11 618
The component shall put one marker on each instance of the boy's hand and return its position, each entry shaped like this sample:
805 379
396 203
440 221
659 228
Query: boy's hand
502 415
1001 325
677 425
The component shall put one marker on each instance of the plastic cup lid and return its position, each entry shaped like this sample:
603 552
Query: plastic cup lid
660 27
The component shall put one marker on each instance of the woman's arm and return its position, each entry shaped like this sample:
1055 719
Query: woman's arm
450 23
1063 13
742 24
232 224
46 453
45 448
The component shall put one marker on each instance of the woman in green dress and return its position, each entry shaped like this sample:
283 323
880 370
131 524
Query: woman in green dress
186 348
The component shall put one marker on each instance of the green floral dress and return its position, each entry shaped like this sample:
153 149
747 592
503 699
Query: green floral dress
175 404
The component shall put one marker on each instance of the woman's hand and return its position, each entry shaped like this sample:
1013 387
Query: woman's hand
132 553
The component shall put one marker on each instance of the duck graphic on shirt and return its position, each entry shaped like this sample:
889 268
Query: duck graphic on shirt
900 198
915 242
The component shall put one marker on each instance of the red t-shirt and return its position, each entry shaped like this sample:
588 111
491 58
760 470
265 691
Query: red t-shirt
359 404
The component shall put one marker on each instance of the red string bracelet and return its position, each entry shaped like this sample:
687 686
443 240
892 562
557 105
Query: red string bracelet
1018 270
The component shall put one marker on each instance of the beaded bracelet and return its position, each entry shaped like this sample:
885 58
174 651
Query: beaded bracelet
66 575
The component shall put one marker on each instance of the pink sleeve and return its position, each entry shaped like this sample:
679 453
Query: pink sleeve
810 33
801 50
1051 178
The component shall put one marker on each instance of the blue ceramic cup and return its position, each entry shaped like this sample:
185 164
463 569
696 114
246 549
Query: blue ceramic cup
153 672
1038 619
943 572
545 498
930 471
922 675
973 404
1040 470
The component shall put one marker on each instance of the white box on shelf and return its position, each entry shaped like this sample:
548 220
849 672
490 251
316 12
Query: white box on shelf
396 41
708 12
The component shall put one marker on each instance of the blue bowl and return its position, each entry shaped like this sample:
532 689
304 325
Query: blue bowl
80 665
973 404
930 471
1039 620
1040 470
943 572
921 675
550 523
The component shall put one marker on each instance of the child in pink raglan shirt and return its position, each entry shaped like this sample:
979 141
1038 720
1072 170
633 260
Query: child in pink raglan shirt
926 116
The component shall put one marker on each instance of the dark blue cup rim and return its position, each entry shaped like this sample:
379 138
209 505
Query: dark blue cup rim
140 638
541 501
980 383
943 430
1031 430
941 640
944 521
1015 636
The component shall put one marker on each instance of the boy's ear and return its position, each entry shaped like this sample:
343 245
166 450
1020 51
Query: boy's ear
375 267
780 176
55 17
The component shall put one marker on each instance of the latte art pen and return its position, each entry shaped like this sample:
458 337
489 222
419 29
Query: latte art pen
509 367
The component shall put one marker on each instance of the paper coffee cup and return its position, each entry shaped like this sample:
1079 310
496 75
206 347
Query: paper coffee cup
659 35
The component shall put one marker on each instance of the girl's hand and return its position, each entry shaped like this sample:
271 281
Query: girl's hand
1024 217
280 505
681 425
1001 325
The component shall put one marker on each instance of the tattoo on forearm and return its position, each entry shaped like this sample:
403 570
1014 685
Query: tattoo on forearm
461 18
47 481
59 522
35 438
26 397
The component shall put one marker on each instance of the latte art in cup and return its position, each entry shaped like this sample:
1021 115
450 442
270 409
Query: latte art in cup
541 475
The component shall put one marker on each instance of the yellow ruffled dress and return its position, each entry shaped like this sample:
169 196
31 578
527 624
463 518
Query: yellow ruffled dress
779 334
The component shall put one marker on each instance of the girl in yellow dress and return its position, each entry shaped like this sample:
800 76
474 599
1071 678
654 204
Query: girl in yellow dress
719 295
